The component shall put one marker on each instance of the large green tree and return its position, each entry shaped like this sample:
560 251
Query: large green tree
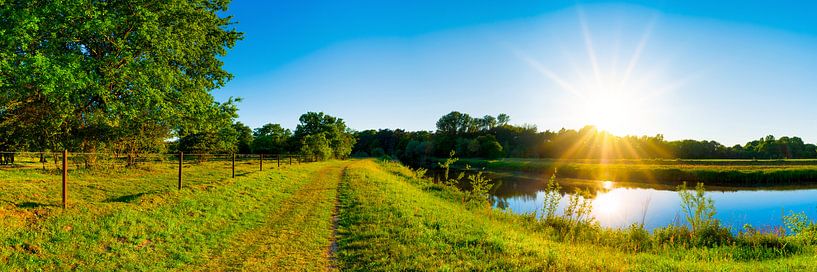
340 138
271 139
120 74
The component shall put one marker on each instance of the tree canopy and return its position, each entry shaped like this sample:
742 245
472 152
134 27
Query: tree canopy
122 75
326 130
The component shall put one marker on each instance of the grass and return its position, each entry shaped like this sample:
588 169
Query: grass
392 221
711 172
283 220
215 222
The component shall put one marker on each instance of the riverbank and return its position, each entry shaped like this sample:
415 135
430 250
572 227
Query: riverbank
392 220
710 172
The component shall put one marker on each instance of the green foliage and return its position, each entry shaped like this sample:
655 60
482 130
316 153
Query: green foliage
271 139
92 75
317 145
480 185
579 206
552 197
446 165
797 222
698 209
340 139
244 137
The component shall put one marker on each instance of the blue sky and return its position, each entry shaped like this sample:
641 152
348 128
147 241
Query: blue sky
730 71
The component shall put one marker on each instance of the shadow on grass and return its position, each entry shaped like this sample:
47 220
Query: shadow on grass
31 205
126 198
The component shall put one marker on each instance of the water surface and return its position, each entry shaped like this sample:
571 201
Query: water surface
620 204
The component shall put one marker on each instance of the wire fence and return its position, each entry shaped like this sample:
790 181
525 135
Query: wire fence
117 173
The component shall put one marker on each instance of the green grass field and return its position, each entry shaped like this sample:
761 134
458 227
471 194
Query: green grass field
711 172
284 219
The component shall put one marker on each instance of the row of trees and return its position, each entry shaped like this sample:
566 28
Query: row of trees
318 134
493 137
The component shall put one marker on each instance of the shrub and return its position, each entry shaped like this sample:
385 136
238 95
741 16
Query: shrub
672 235
712 235
480 185
638 238
552 198
756 245
698 209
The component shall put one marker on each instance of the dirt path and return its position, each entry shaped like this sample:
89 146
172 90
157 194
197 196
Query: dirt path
296 236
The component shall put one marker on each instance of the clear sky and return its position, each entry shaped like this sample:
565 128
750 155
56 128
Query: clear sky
730 71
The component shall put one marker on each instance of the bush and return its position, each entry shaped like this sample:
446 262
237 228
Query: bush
712 235
638 238
757 245
673 235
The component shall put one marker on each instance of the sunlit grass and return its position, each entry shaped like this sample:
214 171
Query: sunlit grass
136 219
392 221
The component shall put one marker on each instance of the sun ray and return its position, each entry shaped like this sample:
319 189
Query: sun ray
638 51
547 73
588 44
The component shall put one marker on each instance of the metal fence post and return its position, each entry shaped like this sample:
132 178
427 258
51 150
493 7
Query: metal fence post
181 158
65 179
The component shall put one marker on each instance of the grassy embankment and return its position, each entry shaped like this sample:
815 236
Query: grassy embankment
393 221
711 172
135 219
282 220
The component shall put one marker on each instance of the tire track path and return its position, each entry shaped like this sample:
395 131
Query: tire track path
296 235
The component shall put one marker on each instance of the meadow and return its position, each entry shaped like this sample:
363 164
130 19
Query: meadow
711 172
358 215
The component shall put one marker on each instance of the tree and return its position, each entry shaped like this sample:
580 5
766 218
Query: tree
271 139
317 145
503 119
341 139
87 74
489 147
487 122
455 123
245 138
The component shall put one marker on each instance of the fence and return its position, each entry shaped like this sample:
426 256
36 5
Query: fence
49 162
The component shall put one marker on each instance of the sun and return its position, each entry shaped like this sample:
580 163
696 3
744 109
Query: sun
617 83
610 109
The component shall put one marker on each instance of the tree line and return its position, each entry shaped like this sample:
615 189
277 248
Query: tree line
494 137
133 77
318 135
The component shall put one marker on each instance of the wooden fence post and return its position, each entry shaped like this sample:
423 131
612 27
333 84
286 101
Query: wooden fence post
233 165
181 158
65 179
261 162
290 159
278 159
